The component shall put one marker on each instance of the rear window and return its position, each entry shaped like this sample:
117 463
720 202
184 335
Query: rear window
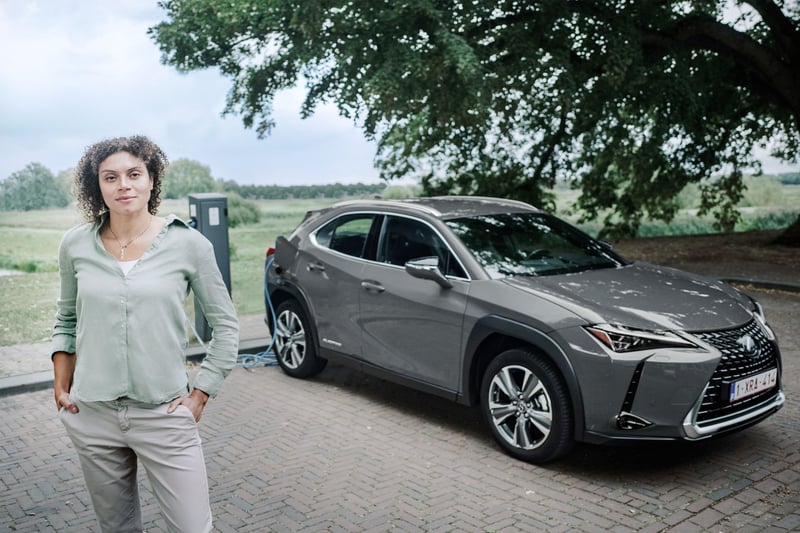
347 234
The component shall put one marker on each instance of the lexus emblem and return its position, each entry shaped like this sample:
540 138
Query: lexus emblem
748 344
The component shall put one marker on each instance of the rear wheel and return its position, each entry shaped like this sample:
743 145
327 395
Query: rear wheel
526 405
294 346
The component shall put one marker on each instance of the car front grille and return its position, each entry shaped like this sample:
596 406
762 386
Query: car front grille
736 363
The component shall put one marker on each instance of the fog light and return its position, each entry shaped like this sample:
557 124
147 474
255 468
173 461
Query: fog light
629 421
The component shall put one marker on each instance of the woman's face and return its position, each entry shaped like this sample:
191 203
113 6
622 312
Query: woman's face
125 183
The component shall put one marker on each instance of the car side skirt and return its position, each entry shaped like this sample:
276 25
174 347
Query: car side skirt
373 370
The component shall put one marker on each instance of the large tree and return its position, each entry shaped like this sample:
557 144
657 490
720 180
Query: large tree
33 187
630 100
187 176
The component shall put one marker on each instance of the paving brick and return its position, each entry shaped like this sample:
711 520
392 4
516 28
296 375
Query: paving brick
653 528
699 504
345 452
707 518
790 522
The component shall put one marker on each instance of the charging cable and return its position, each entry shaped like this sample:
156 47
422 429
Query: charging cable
248 360
267 357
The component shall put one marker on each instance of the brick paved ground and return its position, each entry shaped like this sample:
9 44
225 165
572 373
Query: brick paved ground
345 452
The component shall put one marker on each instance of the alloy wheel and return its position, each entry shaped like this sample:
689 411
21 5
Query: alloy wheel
520 407
290 339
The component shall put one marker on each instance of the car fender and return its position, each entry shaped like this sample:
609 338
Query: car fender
513 330
289 290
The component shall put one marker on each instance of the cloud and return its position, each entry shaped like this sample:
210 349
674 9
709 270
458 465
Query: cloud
82 70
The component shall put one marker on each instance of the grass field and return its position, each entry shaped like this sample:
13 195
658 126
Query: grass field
30 244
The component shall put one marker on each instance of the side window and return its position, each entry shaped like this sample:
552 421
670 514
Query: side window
406 239
347 234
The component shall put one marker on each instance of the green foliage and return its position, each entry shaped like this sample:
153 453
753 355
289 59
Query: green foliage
402 191
631 101
241 211
8 263
689 197
29 303
689 223
758 191
789 178
34 187
771 219
186 176
761 191
30 249
286 192
65 181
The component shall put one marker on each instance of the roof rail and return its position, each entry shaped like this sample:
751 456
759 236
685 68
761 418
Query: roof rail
409 202
518 203
419 205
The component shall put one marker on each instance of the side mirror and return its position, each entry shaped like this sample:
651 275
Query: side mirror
428 268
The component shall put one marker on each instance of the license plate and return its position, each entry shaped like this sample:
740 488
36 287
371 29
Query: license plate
753 385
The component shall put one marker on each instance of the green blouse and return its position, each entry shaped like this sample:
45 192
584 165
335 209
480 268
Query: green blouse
128 331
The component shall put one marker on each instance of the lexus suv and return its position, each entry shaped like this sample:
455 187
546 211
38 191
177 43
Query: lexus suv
497 304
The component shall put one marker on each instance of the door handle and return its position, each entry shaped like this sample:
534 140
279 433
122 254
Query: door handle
372 286
315 266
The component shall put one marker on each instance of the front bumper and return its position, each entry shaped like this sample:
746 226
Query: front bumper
695 430
684 394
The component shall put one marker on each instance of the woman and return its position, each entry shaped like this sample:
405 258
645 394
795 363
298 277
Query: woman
120 379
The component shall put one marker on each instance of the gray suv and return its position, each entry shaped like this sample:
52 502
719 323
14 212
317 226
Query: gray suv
495 303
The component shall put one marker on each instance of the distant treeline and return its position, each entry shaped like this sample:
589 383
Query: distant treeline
286 192
789 178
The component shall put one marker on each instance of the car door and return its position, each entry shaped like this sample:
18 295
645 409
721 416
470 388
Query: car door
329 269
410 326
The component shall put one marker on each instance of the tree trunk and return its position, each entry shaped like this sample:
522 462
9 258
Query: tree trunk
790 236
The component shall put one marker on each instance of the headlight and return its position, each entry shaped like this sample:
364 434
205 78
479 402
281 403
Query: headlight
622 339
758 312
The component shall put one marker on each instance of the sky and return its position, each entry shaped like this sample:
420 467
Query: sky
73 72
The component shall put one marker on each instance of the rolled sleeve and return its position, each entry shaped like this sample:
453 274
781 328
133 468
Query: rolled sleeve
216 304
63 337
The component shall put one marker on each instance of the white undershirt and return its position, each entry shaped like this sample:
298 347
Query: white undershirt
126 266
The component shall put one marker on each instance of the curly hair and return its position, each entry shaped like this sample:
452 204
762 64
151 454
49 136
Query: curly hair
86 184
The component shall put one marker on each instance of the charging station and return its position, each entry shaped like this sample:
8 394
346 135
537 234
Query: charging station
208 214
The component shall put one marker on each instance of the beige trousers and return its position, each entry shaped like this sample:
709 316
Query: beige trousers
112 437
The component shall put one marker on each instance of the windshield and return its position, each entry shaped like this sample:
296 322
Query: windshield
531 244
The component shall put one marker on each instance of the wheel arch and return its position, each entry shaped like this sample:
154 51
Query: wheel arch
493 335
286 291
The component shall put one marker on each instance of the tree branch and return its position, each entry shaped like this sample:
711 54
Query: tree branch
704 33
786 35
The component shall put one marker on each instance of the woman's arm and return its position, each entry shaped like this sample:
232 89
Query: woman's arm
215 302
62 347
63 369
195 401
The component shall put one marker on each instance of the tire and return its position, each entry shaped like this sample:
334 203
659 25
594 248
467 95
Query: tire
294 345
526 406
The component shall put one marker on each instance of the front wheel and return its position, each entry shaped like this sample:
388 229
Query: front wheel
526 405
294 346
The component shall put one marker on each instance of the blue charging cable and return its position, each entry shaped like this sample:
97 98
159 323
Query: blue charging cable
267 357
249 360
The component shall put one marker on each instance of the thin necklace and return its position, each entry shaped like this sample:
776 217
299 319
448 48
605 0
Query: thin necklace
123 247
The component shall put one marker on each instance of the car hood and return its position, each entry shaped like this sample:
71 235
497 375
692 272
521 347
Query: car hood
641 295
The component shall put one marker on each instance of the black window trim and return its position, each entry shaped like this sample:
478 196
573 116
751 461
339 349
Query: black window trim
385 215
